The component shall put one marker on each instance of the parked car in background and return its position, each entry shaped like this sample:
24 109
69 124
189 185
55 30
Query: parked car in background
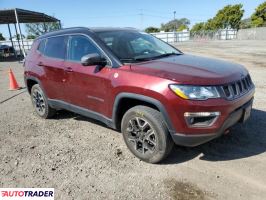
137 84
6 51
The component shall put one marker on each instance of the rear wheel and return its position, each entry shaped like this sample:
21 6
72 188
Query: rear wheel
40 102
146 134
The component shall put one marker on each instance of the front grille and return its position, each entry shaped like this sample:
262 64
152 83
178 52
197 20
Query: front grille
237 88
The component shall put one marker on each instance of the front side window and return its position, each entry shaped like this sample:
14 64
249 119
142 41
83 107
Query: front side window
55 47
80 46
134 46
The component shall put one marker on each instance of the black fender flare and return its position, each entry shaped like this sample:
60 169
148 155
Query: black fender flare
143 98
33 79
36 80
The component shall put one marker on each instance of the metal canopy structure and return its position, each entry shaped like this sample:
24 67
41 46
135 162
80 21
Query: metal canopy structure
17 16
25 16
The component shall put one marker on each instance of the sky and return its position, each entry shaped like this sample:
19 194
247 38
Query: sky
124 13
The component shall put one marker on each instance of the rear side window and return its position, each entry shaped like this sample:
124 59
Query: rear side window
55 47
80 46
41 46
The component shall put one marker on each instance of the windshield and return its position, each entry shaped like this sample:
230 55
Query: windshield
133 46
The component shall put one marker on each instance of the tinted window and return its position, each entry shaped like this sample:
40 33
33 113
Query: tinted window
55 47
109 41
80 46
132 46
41 46
140 45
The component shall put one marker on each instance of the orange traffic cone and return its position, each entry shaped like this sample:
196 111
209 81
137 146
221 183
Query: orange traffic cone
13 85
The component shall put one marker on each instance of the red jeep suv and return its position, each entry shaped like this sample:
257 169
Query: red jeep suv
137 84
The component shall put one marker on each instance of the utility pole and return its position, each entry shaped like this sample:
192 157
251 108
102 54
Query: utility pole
141 19
174 27
174 20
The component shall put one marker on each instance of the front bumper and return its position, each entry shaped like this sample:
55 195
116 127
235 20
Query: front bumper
194 140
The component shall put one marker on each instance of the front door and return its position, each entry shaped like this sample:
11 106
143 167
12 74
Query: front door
87 86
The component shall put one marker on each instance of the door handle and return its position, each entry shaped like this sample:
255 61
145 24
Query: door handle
69 69
40 64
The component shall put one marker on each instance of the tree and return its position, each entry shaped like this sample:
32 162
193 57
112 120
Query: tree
228 17
31 37
198 27
17 36
245 23
175 24
182 27
152 29
2 37
210 25
258 18
37 29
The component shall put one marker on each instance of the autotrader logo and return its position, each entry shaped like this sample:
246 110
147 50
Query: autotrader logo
27 193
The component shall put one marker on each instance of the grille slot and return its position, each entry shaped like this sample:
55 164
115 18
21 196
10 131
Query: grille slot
237 88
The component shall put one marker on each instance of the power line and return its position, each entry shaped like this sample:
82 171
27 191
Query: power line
153 13
111 16
156 16
177 13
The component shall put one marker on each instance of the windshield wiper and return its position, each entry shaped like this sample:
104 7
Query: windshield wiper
157 57
166 55
128 60
148 58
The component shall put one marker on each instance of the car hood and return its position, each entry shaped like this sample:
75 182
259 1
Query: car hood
190 69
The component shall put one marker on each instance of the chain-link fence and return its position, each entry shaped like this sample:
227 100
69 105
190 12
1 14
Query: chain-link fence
170 37
225 34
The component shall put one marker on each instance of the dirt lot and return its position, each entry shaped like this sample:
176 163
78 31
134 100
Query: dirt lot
82 159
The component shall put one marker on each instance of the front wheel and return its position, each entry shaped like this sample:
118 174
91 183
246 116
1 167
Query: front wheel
40 102
146 134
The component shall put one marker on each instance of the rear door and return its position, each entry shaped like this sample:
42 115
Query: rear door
52 65
87 86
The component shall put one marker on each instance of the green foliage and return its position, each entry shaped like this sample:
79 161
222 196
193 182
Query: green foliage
258 18
175 24
152 29
2 37
182 27
210 25
37 29
31 37
245 23
228 17
198 27
17 36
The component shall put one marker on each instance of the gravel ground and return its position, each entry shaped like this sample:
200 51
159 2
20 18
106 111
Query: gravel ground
82 159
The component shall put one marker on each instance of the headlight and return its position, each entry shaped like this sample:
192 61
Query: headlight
195 92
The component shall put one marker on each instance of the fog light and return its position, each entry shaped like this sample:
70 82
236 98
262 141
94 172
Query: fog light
201 119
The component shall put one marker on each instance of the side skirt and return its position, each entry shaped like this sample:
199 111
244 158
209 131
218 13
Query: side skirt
57 104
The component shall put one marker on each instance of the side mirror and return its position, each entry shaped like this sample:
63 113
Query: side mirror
93 59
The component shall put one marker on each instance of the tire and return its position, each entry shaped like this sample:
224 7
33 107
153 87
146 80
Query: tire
40 103
146 134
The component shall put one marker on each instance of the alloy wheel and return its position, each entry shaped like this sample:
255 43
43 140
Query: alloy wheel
141 135
38 102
